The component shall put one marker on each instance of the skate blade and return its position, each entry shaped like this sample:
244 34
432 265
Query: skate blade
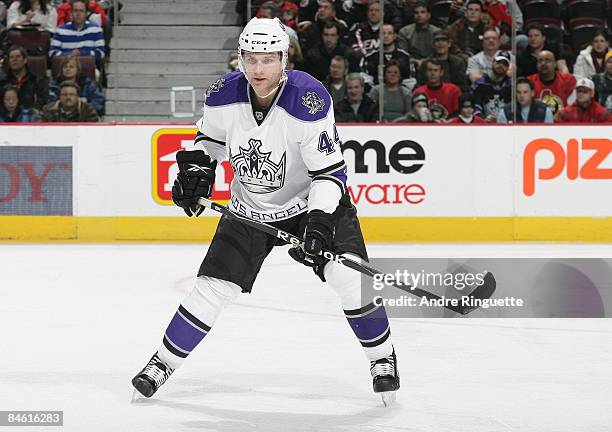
388 398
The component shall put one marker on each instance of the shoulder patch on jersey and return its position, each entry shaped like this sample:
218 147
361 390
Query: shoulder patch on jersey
227 90
313 102
214 87
304 97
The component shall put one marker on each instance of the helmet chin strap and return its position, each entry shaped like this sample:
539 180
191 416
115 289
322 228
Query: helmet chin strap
280 82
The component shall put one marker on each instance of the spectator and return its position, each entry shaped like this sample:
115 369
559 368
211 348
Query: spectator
466 111
492 92
603 84
585 109
457 10
11 111
466 33
443 97
276 9
517 17
335 82
396 97
70 70
95 13
32 13
32 90
516 13
551 86
311 33
530 110
356 107
268 10
390 52
365 34
69 108
319 57
2 19
79 37
295 58
420 112
277 6
499 16
232 61
481 63
417 39
591 60
399 13
289 15
355 11
350 11
454 66
307 12
527 61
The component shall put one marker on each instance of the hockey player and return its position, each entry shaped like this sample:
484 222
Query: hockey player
277 129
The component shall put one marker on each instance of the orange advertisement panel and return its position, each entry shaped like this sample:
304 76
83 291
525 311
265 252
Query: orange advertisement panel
165 144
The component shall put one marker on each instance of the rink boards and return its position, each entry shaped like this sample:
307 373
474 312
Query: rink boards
410 183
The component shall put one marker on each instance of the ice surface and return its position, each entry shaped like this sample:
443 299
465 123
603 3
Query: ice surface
78 321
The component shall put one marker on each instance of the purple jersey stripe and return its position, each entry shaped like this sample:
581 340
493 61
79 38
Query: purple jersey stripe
371 325
183 334
340 175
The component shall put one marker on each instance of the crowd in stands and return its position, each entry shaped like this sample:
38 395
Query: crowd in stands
445 61
52 54
450 61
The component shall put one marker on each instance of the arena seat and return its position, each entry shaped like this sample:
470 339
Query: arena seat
540 9
585 8
582 31
35 42
439 11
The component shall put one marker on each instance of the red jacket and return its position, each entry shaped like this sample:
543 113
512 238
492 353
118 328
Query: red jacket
64 12
556 93
595 113
500 16
446 95
286 5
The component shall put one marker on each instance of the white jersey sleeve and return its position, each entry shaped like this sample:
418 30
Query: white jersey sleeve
320 144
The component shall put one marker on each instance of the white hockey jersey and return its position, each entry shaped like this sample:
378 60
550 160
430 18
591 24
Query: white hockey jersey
277 163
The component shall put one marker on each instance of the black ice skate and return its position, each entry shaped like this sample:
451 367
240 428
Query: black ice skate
154 374
385 377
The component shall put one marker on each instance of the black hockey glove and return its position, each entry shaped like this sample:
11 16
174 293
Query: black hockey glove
195 180
319 235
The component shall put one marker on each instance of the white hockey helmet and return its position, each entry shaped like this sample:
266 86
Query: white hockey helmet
262 35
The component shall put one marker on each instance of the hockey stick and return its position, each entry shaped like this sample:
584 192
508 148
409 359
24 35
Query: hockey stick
483 291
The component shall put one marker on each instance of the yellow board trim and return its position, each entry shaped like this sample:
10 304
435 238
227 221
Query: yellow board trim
375 229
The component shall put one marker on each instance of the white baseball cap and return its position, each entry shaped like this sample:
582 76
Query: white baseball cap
585 82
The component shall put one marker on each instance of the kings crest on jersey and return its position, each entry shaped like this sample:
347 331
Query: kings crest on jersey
274 163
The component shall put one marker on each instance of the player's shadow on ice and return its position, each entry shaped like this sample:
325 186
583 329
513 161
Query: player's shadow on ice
285 402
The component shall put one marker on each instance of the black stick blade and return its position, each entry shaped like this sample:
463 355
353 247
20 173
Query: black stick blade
482 292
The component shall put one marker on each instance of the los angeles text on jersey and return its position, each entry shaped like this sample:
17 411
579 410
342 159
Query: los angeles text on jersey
242 209
404 157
